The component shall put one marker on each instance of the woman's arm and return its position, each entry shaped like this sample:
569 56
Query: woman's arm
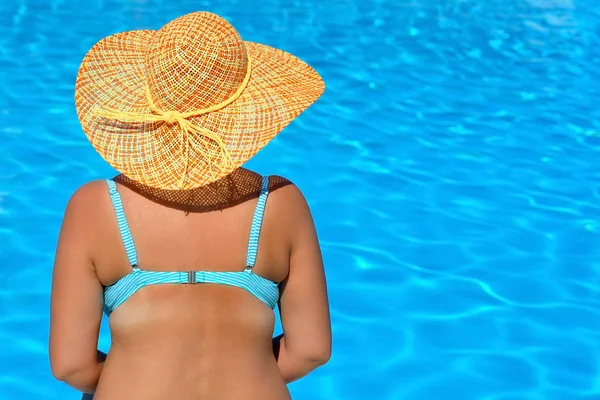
76 300
304 309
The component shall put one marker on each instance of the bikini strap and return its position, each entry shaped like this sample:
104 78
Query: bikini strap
256 224
115 197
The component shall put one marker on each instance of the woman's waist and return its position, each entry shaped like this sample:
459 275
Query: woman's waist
162 374
157 376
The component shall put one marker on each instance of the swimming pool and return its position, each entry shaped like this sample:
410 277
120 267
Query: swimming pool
452 168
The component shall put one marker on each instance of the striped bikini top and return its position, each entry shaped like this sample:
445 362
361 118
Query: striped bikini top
116 294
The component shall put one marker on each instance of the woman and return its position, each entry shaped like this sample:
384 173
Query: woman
190 291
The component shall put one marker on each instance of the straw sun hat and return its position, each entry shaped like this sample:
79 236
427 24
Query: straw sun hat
185 105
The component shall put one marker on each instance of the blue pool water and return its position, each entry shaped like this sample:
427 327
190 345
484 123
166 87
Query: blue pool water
452 168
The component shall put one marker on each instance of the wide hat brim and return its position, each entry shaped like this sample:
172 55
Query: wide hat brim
113 76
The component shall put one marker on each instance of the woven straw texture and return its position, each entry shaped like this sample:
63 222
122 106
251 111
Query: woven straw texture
193 63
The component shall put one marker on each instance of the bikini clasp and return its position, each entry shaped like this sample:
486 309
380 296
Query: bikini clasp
191 277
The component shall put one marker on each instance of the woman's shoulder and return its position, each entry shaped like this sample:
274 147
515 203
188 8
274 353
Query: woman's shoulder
86 211
87 199
281 189
89 193
287 198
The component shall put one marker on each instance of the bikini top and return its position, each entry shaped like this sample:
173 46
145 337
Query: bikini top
116 294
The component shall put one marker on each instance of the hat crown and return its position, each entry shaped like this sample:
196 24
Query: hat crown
194 62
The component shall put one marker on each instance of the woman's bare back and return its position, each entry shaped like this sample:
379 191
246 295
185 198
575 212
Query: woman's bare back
190 341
